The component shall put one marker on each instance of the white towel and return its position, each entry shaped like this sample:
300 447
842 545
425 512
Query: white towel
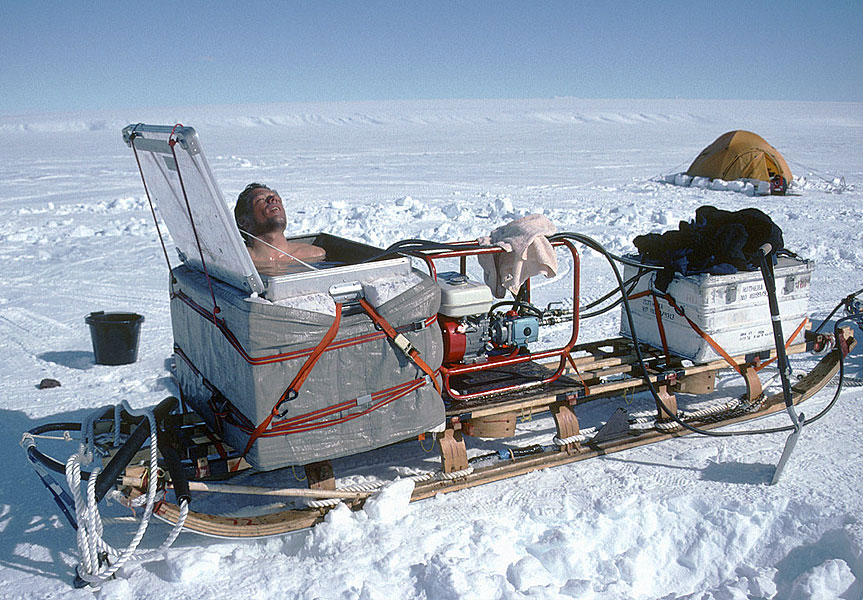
528 253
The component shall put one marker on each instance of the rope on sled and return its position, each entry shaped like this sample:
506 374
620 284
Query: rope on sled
377 485
100 561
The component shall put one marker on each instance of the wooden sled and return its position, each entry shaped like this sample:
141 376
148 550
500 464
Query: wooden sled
601 362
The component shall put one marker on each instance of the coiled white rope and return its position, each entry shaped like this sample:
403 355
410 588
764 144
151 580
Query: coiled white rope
648 421
454 474
737 404
100 561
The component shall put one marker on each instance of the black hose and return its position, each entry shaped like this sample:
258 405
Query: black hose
413 245
52 463
516 304
631 282
171 460
167 444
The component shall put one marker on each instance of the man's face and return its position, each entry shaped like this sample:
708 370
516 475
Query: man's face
268 214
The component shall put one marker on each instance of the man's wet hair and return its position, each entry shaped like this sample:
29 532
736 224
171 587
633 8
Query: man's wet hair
243 209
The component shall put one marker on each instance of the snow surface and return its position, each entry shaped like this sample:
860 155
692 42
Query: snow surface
690 518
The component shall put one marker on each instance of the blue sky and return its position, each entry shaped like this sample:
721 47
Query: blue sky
75 55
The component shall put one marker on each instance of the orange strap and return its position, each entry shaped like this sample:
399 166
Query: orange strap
787 343
401 342
577 372
658 312
719 350
293 389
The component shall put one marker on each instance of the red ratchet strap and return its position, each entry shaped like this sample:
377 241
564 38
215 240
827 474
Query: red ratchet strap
401 342
224 411
711 342
658 312
293 389
719 350
319 419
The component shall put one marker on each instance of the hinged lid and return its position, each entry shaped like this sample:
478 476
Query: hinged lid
180 183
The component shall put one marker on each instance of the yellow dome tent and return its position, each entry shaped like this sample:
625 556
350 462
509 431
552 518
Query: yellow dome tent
741 155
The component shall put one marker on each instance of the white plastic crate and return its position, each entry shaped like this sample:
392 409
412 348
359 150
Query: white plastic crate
731 309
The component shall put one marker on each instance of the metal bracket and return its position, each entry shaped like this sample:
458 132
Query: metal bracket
347 292
616 426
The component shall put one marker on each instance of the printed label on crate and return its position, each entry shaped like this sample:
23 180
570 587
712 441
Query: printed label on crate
668 313
752 335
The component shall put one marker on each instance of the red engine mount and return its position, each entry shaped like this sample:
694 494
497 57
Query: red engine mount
454 341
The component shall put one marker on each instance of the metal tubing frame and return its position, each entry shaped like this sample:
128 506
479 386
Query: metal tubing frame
563 353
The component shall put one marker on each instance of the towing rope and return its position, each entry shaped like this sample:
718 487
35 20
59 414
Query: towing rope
714 412
371 486
377 485
100 561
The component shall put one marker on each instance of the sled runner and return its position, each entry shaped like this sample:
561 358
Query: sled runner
394 363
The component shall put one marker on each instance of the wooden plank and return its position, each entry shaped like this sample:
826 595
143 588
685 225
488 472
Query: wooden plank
320 475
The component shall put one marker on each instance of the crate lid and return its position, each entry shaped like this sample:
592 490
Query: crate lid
179 181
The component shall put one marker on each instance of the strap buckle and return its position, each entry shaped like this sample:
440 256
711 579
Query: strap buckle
404 344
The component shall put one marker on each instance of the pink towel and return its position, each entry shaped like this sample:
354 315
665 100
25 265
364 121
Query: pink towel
528 253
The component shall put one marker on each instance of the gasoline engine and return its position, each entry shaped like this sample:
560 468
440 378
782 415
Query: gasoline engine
474 331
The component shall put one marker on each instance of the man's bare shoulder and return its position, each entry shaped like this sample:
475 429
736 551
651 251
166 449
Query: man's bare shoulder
305 251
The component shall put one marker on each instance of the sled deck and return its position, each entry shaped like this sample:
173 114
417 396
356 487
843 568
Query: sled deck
606 370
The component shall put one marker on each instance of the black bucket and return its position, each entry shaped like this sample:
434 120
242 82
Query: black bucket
115 336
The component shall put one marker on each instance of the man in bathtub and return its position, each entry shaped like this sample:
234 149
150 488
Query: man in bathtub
261 218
